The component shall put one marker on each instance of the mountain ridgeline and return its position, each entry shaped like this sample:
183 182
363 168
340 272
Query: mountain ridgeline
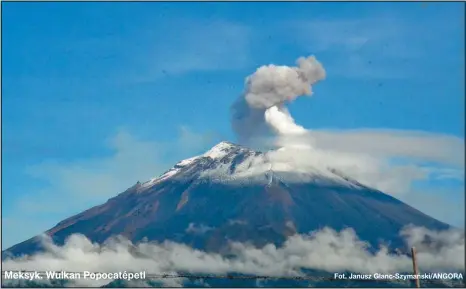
208 200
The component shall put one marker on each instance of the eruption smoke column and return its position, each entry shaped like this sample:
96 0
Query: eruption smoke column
262 107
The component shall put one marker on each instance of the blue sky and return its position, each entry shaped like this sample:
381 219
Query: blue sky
99 95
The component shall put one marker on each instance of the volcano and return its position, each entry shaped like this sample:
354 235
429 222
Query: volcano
233 193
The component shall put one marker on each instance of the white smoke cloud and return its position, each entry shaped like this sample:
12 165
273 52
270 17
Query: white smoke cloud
325 250
307 163
366 169
267 91
261 119
282 122
272 85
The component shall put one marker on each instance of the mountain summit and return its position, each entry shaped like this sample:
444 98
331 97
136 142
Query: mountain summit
237 165
233 193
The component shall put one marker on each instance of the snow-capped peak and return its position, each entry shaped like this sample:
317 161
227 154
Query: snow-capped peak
217 152
220 150
228 161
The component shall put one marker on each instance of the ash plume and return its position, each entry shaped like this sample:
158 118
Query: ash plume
261 109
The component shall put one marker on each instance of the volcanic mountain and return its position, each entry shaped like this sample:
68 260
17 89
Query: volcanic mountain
233 193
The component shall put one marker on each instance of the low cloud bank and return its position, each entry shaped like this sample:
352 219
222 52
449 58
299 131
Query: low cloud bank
325 250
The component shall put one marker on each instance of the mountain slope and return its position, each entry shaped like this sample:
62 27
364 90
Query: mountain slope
234 193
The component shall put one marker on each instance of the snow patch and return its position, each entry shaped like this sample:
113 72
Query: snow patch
173 171
274 164
186 162
220 150
157 180
167 175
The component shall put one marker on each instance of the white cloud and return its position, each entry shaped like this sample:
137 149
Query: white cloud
131 161
75 186
395 162
388 160
325 250
445 149
443 251
391 161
